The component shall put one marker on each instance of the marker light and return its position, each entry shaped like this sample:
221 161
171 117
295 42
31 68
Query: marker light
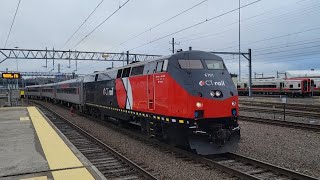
234 103
199 104
218 93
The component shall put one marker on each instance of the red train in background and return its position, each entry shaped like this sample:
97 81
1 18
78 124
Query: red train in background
293 87
187 98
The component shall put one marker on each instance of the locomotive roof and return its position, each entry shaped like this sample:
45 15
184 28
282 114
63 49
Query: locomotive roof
179 55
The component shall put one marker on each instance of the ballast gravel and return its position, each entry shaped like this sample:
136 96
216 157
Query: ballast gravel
164 165
294 149
289 148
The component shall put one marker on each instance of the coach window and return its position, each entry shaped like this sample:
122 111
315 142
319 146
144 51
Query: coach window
126 72
245 85
137 71
190 64
291 86
119 73
298 84
159 66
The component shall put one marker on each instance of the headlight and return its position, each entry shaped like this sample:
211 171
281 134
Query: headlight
212 93
218 93
234 103
199 104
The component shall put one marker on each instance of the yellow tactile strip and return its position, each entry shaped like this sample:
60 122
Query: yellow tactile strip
36 178
58 154
70 174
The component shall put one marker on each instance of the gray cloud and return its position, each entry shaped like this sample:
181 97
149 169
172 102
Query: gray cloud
41 24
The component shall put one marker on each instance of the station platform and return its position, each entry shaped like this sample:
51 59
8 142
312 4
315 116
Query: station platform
32 149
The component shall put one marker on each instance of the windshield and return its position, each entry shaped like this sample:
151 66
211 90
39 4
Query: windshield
214 64
190 64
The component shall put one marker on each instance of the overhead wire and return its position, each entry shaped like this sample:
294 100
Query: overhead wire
159 24
85 37
281 16
14 18
274 37
83 23
197 24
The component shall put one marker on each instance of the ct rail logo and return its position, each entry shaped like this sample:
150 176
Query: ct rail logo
107 91
212 83
202 83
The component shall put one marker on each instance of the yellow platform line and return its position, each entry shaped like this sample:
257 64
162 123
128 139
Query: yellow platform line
36 178
58 154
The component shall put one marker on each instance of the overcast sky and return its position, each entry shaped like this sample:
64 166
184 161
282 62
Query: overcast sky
283 35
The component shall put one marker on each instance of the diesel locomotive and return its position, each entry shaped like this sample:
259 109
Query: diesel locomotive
187 98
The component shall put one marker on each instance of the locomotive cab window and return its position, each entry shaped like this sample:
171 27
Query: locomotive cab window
119 73
152 68
165 66
190 64
137 71
126 72
214 64
159 66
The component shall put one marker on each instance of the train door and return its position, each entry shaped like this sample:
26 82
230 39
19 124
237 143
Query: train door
312 87
305 86
150 86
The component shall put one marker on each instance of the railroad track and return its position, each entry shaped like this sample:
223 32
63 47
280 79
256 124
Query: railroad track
248 168
299 107
107 160
233 164
313 115
290 124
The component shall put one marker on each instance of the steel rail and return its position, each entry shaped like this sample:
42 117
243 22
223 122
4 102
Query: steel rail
133 165
261 167
290 124
213 160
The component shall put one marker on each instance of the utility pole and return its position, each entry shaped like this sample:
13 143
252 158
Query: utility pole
250 73
127 57
239 45
173 43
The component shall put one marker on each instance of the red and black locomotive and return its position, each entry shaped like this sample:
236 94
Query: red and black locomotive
187 98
